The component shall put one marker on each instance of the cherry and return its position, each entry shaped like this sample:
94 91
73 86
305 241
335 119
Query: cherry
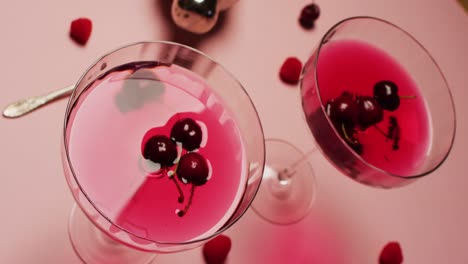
160 149
342 110
386 94
193 168
206 8
187 132
309 14
369 111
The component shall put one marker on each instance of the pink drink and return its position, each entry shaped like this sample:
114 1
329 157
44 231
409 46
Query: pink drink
105 140
356 67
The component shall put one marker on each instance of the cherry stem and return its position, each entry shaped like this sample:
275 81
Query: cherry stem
189 203
407 96
288 172
346 134
396 138
181 198
381 131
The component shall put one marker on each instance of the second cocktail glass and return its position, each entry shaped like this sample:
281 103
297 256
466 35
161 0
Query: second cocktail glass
378 107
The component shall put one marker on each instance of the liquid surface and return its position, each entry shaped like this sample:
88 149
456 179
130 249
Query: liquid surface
107 127
355 67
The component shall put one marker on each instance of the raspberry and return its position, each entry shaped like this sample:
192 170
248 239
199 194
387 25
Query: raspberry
290 71
216 250
80 30
391 254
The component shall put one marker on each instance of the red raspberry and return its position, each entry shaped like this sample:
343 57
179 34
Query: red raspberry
391 254
290 71
216 250
80 30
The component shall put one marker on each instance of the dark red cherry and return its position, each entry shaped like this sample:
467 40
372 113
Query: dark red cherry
386 94
342 110
309 14
369 112
187 132
206 8
193 168
160 149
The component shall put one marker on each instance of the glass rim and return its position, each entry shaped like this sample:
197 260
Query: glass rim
324 39
230 221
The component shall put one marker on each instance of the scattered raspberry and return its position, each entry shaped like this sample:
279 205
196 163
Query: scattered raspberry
391 254
291 70
216 250
80 30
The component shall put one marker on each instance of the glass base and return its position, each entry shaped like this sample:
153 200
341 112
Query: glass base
288 186
93 246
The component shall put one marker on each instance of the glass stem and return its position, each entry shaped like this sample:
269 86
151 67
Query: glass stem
286 173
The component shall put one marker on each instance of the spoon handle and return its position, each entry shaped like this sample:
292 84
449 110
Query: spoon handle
24 106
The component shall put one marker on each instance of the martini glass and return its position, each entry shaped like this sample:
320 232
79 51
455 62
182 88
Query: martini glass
288 188
386 140
385 68
377 103
136 195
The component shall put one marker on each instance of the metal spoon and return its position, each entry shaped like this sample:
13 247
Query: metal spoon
22 107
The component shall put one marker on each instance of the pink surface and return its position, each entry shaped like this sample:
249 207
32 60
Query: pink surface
350 222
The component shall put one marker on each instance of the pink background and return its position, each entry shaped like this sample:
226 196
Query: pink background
349 223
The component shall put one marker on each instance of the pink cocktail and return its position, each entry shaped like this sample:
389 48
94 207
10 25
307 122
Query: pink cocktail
377 103
148 194
379 109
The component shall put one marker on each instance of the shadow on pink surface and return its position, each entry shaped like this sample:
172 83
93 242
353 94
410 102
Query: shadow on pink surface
316 239
45 246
